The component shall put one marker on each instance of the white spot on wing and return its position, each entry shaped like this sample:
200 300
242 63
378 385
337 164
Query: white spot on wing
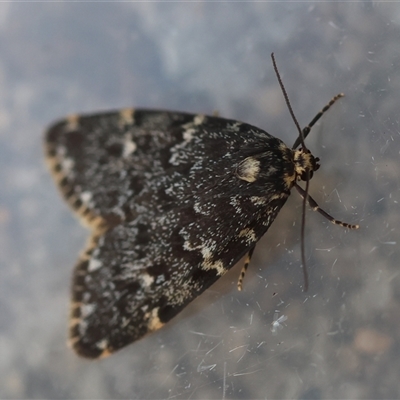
177 155
94 264
235 202
248 169
102 344
188 135
129 146
217 265
87 309
208 264
199 119
249 235
202 208
257 200
86 197
67 164
147 279
207 251
154 322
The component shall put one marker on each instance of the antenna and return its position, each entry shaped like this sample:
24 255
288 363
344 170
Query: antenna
305 198
304 192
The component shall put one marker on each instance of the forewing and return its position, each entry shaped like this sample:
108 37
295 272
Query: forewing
102 161
108 165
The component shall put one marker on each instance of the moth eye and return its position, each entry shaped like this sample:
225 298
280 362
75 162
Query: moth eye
303 176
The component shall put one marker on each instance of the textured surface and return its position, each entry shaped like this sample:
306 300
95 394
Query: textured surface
340 339
174 200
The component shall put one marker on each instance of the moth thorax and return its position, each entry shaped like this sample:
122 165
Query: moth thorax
304 161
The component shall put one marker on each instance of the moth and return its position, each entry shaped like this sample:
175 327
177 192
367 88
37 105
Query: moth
173 200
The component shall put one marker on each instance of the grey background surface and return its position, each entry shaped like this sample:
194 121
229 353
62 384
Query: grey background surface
341 338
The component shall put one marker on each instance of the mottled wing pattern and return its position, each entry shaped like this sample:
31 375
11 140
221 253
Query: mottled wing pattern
174 200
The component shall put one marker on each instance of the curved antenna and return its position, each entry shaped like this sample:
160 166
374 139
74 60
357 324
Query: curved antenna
289 106
307 129
301 137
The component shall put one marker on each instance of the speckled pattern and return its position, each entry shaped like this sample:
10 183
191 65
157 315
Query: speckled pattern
340 339
174 200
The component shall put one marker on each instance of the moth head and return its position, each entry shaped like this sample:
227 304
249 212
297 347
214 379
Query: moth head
305 162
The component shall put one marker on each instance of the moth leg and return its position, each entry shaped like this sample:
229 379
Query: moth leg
244 269
315 207
307 129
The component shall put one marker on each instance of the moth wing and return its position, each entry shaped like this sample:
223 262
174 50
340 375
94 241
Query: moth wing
102 161
108 165
174 200
140 274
